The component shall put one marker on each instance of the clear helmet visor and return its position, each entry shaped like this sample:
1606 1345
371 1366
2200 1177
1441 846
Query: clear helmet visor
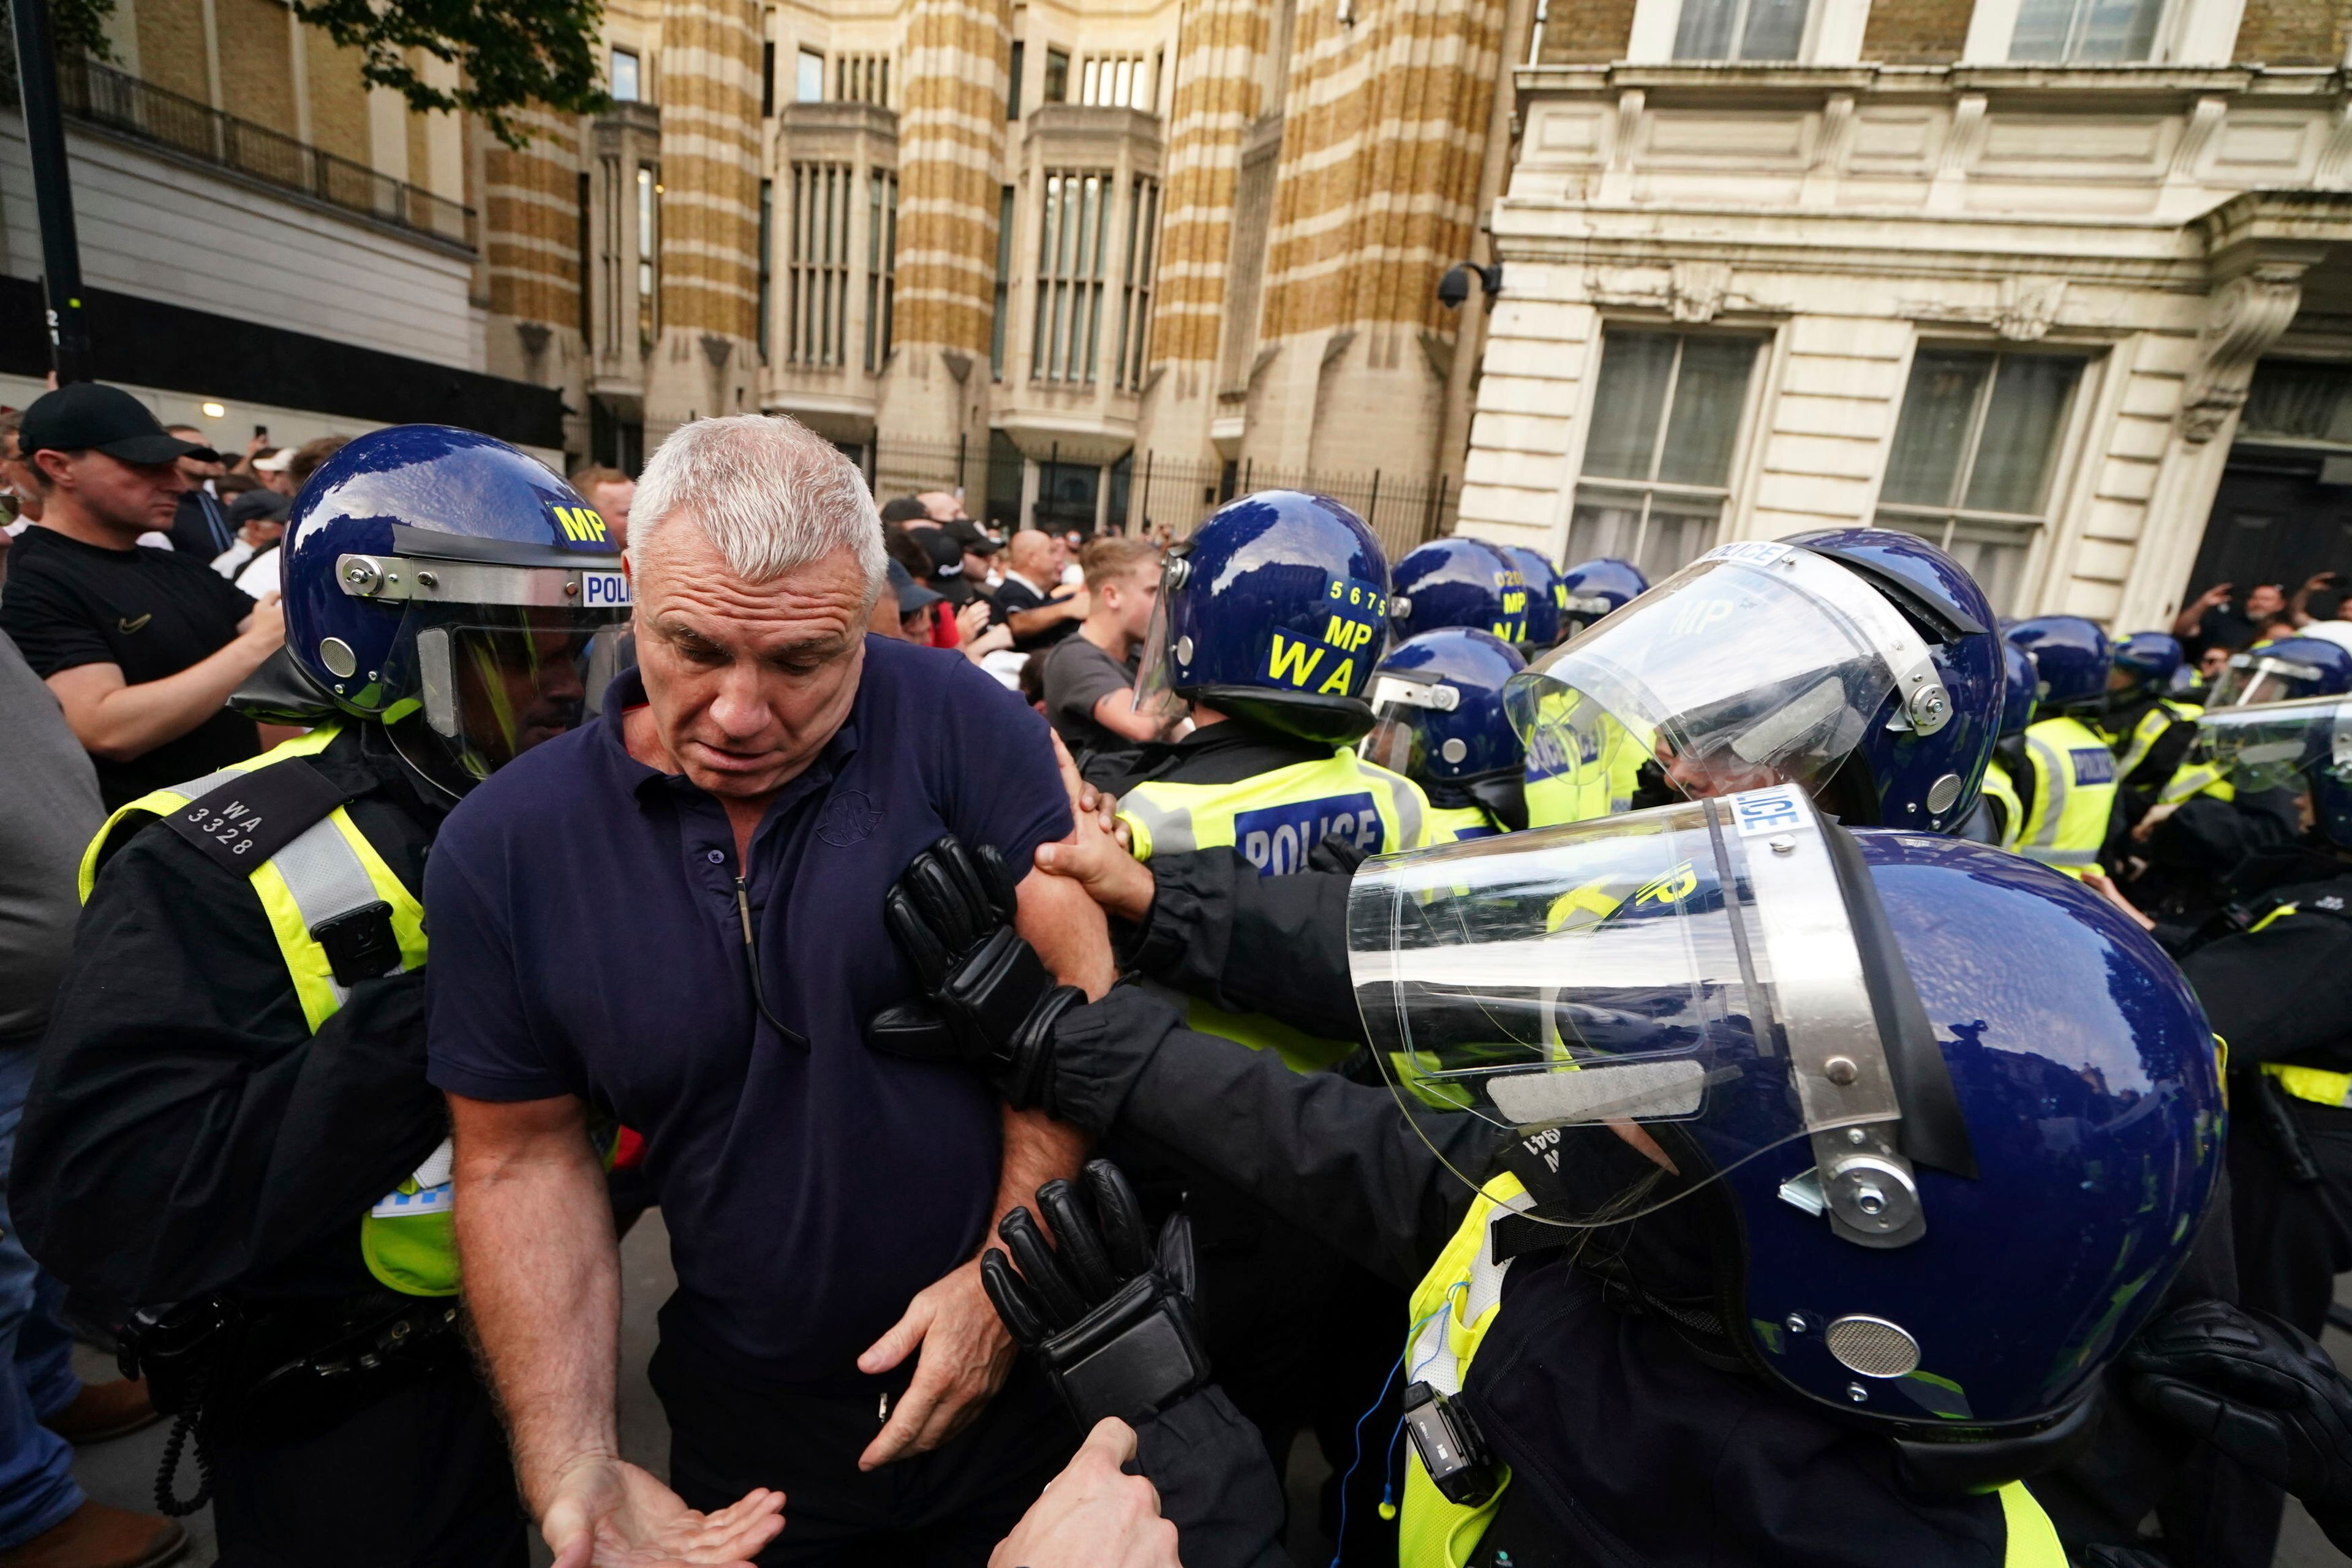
1757 665
499 679
2256 677
1399 704
1685 983
2277 745
1155 692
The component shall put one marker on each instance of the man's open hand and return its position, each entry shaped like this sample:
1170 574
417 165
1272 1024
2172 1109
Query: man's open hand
964 1353
1093 1515
1095 855
605 1514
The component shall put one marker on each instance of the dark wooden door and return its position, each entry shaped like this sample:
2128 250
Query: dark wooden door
2274 521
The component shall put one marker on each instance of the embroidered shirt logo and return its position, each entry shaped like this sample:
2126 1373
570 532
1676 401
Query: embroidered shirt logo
849 816
126 625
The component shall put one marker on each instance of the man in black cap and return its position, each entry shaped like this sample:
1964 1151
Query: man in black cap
141 647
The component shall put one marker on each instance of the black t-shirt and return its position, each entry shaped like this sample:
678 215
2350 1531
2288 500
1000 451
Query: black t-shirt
152 612
1078 676
2223 625
1013 596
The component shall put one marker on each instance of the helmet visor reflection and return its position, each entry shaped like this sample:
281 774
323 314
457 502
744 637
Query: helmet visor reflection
2257 678
2277 745
500 681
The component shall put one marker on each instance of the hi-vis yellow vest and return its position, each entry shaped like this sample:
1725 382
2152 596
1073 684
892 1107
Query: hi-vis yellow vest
1452 1308
2152 726
2000 790
1276 820
1450 825
2073 794
407 1239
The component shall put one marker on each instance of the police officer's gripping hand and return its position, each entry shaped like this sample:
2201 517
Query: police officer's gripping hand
991 1002
1107 1315
2261 1392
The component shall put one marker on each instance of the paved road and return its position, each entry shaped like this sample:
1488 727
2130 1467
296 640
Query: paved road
123 1473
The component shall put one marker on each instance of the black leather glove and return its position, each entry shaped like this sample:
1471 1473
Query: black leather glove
2261 1391
1110 1322
992 1001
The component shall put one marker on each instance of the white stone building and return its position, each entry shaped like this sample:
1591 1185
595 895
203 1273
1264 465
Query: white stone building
2000 275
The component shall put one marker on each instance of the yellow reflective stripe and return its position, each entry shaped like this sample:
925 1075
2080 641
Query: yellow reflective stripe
1997 786
1172 818
2277 914
163 802
2316 1084
1446 825
2070 819
2033 1539
306 960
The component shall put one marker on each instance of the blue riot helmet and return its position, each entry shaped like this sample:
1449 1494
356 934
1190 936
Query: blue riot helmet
1588 591
2302 745
1543 596
2016 690
1459 582
1438 718
1926 1129
2145 664
2072 659
453 589
2283 671
1276 610
1857 662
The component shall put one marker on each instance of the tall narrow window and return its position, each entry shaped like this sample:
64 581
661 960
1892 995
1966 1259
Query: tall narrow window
1003 282
585 243
1740 30
881 263
1058 76
1071 244
816 287
1135 304
611 257
1975 453
1115 81
768 79
648 256
1657 460
767 260
809 84
1012 84
2089 31
627 84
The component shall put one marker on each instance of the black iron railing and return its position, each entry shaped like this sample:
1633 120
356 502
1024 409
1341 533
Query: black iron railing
100 95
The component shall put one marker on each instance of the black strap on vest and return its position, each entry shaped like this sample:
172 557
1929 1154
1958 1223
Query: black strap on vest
242 823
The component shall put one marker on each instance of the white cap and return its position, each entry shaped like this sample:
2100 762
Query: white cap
276 463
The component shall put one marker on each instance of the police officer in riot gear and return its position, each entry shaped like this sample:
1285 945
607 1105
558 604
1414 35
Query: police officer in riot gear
1438 718
1460 582
1857 662
231 1131
1754 1240
2000 813
2148 728
1592 589
2067 788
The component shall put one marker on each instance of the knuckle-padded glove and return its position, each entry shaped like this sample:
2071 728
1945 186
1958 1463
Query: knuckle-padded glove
2263 1393
1109 1321
989 1000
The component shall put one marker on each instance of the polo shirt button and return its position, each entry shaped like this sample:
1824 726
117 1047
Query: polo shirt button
716 856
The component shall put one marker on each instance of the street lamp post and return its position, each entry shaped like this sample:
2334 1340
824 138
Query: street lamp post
45 138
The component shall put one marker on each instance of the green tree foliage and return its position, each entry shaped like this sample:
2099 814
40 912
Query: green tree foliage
508 53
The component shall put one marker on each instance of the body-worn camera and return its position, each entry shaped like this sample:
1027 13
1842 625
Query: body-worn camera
1451 1448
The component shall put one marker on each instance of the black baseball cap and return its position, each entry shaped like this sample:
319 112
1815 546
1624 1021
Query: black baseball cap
911 595
267 505
966 533
87 416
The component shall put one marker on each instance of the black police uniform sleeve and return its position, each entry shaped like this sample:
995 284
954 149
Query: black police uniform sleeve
1247 943
1333 1157
2211 835
1216 1484
185 1131
2279 991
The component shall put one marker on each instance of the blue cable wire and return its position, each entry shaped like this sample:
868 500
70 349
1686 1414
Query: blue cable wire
1387 1487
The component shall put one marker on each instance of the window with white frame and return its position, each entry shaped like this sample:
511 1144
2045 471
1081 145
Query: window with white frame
816 272
1135 304
1115 81
1740 30
2085 31
649 192
1666 420
1073 231
627 85
1976 455
881 263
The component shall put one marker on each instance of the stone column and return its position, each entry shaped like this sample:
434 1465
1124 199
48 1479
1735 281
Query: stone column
531 251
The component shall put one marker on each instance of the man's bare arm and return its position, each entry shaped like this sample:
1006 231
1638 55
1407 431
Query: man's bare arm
1049 615
1115 711
542 1278
543 1288
116 722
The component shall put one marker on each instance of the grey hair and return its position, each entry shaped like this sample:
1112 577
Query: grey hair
770 494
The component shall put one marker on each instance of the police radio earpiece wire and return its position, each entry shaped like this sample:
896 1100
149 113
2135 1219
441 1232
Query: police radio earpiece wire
1388 1487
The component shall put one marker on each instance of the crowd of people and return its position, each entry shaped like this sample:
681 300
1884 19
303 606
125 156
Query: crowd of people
1730 1070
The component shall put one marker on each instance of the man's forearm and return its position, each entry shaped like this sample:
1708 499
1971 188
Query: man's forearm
543 1288
1045 617
124 722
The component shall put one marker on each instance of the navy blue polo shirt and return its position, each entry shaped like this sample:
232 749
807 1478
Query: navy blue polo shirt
585 941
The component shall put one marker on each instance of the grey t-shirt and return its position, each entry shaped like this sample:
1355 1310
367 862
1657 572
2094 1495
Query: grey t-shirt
1078 676
52 813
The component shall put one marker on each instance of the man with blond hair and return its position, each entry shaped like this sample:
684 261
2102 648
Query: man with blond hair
1089 679
673 916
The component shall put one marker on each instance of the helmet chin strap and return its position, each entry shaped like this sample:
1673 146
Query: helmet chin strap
417 770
